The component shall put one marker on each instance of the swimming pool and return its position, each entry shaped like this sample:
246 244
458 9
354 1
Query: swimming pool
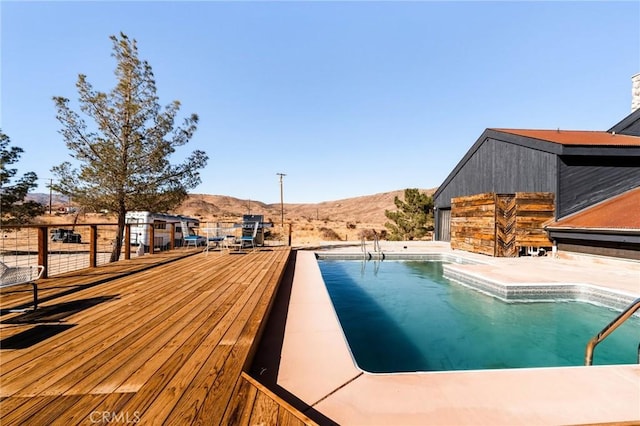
404 316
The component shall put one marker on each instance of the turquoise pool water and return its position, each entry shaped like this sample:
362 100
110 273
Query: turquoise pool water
403 316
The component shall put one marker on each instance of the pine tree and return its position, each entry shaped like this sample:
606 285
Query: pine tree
414 217
124 155
13 207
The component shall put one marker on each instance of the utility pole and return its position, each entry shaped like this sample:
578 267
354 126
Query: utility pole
281 201
50 195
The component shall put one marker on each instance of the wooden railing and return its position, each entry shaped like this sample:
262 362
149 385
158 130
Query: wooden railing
31 245
28 245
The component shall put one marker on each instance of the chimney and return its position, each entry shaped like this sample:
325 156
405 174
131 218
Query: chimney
635 92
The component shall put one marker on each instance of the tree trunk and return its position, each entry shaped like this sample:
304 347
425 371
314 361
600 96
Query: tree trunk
117 246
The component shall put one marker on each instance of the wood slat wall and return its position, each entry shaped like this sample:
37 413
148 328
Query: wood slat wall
533 211
499 224
473 223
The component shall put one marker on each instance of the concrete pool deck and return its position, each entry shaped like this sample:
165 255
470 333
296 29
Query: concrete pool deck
316 368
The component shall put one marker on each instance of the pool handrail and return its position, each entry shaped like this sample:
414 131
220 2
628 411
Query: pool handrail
608 329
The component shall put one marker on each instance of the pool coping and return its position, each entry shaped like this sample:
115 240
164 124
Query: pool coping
317 367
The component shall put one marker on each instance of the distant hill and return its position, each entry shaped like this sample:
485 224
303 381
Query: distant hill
364 209
340 220
56 200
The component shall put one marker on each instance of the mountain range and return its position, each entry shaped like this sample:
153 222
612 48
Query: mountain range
363 209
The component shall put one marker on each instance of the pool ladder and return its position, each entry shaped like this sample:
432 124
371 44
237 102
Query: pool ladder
609 328
376 248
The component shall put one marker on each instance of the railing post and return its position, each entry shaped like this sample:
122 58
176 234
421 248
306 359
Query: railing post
127 241
152 237
289 240
172 236
43 249
93 246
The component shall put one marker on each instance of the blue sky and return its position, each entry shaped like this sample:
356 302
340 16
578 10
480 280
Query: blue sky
346 98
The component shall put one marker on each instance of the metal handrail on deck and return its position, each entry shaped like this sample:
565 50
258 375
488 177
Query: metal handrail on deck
626 314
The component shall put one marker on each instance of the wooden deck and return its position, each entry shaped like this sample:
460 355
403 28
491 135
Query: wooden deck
160 339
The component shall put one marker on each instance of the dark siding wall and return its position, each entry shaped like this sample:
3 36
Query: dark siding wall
585 181
630 125
633 129
502 167
601 248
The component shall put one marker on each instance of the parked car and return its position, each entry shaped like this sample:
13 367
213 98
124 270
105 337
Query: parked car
65 236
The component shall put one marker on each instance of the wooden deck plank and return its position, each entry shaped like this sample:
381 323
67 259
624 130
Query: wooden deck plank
241 404
65 350
238 357
209 386
217 343
189 357
49 288
265 410
287 414
26 408
99 364
78 346
9 404
171 347
149 339
87 293
152 365
108 368
96 406
97 317
56 406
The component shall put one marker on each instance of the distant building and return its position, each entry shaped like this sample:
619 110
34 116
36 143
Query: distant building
593 175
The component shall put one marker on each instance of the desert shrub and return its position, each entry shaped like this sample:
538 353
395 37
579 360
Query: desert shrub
329 234
366 234
351 225
273 236
370 234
